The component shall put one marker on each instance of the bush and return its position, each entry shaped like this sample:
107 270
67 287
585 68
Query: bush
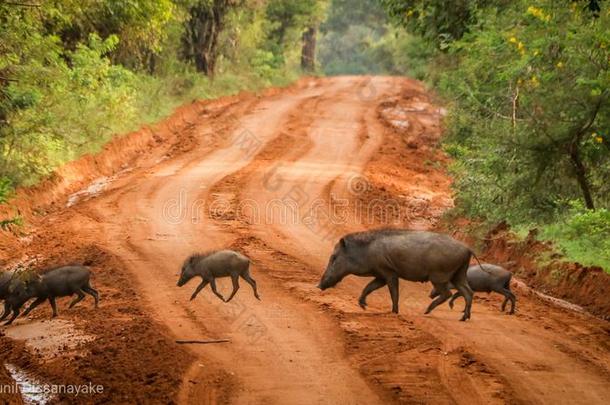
583 235
5 189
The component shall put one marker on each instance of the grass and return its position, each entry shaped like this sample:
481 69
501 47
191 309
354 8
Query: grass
584 249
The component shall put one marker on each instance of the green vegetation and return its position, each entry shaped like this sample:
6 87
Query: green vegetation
358 38
528 86
75 73
583 236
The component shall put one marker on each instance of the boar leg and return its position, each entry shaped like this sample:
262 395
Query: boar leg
15 315
93 292
215 291
33 305
460 282
444 294
79 297
376 284
509 296
392 282
53 306
455 296
465 291
504 302
7 311
235 280
200 287
250 280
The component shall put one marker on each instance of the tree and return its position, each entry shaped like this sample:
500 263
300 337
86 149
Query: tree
532 111
308 51
141 25
296 21
205 22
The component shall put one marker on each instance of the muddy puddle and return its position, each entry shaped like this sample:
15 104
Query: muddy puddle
49 338
95 188
92 190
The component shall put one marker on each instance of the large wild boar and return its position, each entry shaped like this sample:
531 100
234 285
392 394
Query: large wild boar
211 265
59 282
391 254
487 278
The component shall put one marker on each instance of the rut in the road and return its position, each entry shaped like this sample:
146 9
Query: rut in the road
280 178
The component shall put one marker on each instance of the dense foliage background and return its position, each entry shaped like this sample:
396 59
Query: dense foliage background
528 89
526 84
74 73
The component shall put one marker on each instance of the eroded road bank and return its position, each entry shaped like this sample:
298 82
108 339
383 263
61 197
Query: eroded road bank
280 178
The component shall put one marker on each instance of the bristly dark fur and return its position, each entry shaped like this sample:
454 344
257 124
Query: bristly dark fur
198 256
366 237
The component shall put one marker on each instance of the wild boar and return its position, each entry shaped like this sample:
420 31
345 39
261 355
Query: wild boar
59 282
487 278
211 265
391 254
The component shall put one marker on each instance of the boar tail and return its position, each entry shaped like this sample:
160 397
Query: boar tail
480 264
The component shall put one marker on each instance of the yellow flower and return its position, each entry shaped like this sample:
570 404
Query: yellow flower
534 81
512 40
538 13
559 65
599 139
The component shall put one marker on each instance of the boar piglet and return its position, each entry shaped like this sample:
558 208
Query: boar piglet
211 265
487 278
59 282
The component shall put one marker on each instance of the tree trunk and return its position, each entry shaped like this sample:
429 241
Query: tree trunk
581 174
200 39
308 51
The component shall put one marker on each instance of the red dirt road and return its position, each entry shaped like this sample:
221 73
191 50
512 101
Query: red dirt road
280 178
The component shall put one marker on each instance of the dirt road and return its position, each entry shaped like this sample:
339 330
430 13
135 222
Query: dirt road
280 178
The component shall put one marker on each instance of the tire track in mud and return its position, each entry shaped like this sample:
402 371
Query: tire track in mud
287 361
299 345
386 349
412 358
